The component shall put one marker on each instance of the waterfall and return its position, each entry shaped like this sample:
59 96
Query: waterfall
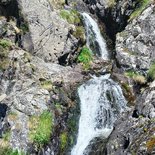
101 99
95 40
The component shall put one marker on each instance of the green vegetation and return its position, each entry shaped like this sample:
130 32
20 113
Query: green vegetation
138 78
80 33
63 140
57 3
85 57
46 84
10 151
72 17
41 128
6 136
142 5
24 27
151 71
5 43
4 48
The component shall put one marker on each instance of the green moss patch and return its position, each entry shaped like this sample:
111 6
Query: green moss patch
142 4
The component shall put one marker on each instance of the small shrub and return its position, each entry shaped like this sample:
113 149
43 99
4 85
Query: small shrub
85 57
138 78
142 5
72 17
6 136
5 43
80 33
63 140
151 71
46 84
41 128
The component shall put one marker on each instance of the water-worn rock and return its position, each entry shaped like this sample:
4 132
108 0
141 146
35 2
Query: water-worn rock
135 46
50 34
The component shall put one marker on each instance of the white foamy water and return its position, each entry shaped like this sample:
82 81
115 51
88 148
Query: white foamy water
101 99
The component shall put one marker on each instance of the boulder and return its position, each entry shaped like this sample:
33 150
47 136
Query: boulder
50 33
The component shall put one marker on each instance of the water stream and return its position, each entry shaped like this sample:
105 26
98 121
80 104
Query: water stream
101 99
95 41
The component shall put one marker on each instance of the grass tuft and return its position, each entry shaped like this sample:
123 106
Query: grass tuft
63 140
142 4
41 128
151 71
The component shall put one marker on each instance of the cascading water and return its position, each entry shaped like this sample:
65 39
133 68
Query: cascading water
101 101
95 40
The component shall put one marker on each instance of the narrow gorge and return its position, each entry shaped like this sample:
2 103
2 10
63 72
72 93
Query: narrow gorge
77 77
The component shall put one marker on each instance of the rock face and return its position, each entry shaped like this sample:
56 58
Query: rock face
26 89
50 34
134 132
113 13
135 46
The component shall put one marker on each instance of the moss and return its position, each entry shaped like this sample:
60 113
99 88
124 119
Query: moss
46 84
151 72
85 57
10 151
41 128
5 43
72 17
4 51
151 144
142 4
63 140
6 136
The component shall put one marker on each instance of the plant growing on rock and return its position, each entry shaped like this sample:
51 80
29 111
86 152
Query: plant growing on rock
4 47
85 57
80 33
151 71
141 6
72 17
41 128
5 43
138 78
63 140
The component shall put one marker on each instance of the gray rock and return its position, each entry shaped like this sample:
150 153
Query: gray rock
49 32
5 2
135 46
